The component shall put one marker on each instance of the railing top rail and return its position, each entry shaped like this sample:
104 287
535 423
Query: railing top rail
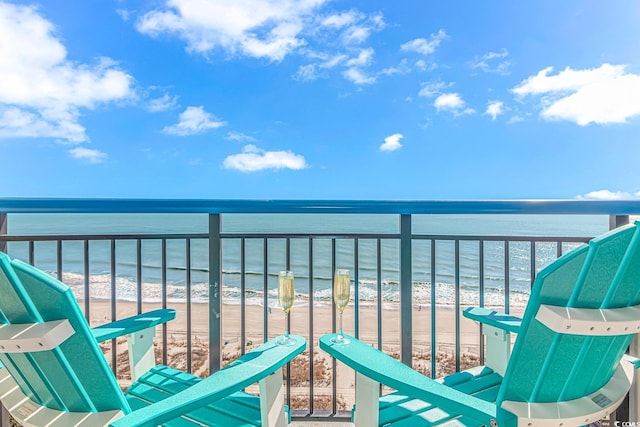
285 235
559 207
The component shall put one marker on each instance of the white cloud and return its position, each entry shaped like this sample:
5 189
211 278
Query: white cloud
360 32
424 46
607 94
355 72
270 29
306 73
194 120
257 28
163 103
515 119
88 155
341 20
29 123
239 137
253 159
453 103
356 34
609 195
448 101
333 61
41 91
402 68
392 142
494 109
363 59
358 77
310 72
490 62
421 65
431 89
124 14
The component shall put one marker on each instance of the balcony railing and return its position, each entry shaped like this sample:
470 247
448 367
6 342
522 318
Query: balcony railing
410 277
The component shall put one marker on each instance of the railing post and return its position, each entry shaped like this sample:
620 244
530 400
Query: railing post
3 231
406 298
215 292
616 221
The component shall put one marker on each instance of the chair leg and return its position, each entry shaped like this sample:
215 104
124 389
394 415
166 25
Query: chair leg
498 348
634 392
272 401
367 401
141 353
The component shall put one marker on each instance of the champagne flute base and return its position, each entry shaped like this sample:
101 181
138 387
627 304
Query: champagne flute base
284 340
340 340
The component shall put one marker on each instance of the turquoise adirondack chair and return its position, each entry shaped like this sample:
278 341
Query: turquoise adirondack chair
55 374
567 366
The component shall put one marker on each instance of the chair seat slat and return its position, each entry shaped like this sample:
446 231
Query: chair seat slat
239 409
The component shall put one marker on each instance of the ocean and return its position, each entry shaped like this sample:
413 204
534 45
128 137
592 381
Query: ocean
249 275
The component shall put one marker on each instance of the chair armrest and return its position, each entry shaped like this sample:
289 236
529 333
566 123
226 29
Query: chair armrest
132 324
493 318
248 369
384 369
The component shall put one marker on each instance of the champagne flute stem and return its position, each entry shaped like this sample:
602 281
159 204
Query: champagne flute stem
340 333
286 325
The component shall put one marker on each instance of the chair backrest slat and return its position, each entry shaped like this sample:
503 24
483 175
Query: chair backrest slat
546 366
71 377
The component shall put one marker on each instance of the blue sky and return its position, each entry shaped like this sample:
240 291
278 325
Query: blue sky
320 99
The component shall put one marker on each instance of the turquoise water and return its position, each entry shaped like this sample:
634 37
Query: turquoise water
469 277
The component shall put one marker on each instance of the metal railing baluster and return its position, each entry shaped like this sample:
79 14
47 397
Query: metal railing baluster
87 273
506 276
433 308
139 275
379 289
215 294
457 301
114 299
481 293
243 299
532 262
188 294
356 287
288 267
311 335
265 289
334 365
163 283
4 221
59 259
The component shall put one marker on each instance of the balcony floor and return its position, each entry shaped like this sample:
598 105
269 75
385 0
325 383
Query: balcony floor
320 424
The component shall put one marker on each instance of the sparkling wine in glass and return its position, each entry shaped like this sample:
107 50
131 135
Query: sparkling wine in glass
285 298
341 295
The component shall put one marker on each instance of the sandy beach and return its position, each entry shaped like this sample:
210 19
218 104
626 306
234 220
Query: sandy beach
322 323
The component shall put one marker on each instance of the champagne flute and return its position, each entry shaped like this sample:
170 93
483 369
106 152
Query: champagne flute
341 295
285 298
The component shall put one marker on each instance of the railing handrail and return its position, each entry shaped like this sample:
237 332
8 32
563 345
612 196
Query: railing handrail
212 206
287 235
